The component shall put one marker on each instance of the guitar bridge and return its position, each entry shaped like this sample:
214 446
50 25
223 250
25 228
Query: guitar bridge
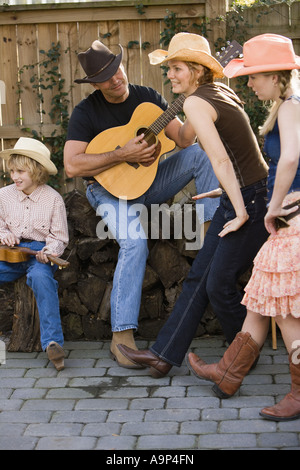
133 164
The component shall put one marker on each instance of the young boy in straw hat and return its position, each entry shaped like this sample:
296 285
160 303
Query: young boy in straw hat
33 215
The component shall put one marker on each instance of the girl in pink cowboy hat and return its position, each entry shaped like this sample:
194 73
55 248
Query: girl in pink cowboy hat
274 287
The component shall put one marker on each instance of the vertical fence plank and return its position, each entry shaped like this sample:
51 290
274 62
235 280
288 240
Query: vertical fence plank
27 50
68 63
46 37
87 33
130 40
9 73
150 33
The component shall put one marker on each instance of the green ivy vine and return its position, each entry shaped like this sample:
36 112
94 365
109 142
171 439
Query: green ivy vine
46 76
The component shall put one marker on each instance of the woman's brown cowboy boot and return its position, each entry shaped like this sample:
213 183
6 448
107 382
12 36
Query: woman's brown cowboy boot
229 373
289 407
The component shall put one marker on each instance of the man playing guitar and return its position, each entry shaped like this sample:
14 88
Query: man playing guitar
112 105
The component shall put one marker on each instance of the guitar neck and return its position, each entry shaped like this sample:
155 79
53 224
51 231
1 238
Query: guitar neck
160 123
61 263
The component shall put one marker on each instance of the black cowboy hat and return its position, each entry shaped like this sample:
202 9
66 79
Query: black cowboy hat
99 63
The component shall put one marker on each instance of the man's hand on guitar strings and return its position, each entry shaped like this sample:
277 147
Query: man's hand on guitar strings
138 151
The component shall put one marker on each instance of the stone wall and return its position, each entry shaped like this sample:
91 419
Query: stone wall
85 286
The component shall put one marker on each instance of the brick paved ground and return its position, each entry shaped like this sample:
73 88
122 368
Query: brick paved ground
94 404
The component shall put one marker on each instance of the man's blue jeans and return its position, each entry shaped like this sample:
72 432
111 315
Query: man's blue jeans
173 174
40 280
213 277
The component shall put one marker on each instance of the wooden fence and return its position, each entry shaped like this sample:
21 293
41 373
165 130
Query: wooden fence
25 31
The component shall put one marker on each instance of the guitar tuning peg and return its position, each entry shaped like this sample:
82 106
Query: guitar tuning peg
52 263
59 267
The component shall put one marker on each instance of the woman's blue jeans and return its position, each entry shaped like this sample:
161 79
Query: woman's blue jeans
40 280
173 174
213 277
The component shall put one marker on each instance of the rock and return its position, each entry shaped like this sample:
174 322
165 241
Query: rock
85 286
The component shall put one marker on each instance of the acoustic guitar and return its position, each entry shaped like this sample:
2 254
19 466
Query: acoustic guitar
130 180
18 254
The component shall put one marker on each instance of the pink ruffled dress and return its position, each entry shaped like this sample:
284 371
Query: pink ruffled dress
274 287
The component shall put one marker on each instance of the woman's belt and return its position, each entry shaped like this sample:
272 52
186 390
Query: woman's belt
283 221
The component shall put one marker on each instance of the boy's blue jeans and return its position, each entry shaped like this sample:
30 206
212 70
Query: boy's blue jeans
40 279
173 175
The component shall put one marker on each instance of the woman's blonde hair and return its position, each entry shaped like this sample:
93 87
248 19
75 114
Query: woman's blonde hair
37 172
286 79
207 77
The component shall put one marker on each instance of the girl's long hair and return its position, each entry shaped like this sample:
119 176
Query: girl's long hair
286 79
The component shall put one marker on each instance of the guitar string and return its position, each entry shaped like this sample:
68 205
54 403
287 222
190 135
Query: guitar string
165 118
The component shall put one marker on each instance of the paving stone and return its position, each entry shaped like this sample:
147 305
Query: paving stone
17 443
199 427
122 416
16 382
169 442
11 404
95 404
102 404
227 441
219 414
279 440
178 415
48 404
147 403
7 429
102 429
22 416
116 442
147 428
79 416
66 443
253 426
53 429
29 393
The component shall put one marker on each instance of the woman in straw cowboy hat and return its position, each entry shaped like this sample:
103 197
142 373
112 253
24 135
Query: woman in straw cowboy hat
274 287
237 229
33 215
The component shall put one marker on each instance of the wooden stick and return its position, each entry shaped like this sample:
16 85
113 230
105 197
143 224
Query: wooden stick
274 338
13 254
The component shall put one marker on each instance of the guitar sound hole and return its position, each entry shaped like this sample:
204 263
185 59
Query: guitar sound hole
150 137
